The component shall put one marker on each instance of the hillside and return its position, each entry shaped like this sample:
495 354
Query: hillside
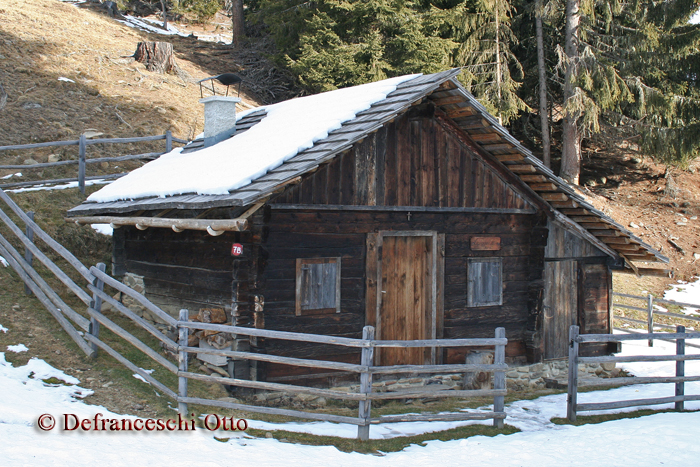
42 42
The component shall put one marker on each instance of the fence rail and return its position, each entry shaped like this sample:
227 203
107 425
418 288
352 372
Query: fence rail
649 309
679 379
82 161
92 320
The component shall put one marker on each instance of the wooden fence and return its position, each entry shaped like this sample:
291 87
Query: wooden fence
648 307
82 161
89 341
679 378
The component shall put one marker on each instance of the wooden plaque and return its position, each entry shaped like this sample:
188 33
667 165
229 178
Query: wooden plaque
486 243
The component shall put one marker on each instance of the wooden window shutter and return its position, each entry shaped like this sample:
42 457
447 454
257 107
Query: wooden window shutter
318 285
484 282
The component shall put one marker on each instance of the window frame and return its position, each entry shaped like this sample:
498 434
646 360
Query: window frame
300 263
470 283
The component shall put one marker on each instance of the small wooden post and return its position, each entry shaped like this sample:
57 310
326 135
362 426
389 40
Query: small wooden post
28 256
96 305
571 398
168 141
182 362
680 367
650 318
366 383
499 378
82 145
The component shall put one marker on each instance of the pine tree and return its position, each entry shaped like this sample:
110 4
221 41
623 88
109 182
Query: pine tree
485 53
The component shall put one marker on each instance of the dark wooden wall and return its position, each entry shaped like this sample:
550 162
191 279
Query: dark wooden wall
190 270
300 234
578 284
413 161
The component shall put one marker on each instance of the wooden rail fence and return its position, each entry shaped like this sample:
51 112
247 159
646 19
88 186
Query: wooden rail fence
86 333
680 336
649 301
82 161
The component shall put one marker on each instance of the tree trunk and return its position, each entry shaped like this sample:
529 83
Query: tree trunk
498 65
165 16
571 144
544 120
237 22
157 56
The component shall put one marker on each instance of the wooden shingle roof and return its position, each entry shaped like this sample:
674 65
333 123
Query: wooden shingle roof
459 109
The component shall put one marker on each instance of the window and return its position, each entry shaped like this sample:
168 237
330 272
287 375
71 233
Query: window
318 286
484 282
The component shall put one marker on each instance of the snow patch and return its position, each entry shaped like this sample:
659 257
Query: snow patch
141 378
17 348
4 262
67 80
686 292
18 174
289 127
151 26
104 229
49 187
3 329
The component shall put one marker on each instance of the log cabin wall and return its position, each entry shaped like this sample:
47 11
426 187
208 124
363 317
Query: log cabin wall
413 174
578 284
190 269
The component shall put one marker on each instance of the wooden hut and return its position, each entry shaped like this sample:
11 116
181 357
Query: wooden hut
419 214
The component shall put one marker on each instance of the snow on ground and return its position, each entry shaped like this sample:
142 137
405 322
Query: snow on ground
4 262
18 174
151 26
63 186
104 229
686 292
668 439
296 124
17 348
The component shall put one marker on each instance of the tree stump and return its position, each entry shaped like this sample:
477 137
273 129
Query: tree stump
157 56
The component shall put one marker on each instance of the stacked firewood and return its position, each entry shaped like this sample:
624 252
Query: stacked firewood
216 339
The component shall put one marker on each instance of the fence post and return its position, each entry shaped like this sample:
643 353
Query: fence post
28 256
499 378
366 383
168 141
650 318
182 362
96 305
680 368
571 398
82 145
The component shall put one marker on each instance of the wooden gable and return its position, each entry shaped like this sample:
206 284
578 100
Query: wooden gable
412 161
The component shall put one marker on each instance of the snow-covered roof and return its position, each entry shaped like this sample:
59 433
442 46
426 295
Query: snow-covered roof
287 129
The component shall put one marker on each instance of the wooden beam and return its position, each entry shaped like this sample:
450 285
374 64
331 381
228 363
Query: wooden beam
616 240
628 247
587 219
484 137
606 233
554 196
543 186
216 225
498 147
596 225
522 169
449 100
650 272
576 212
562 204
532 178
461 112
509 157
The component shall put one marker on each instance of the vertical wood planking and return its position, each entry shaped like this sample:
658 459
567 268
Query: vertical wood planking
182 363
455 180
415 173
403 172
442 162
371 262
680 368
347 178
650 317
380 166
334 181
391 169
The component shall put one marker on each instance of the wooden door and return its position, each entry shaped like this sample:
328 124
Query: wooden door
560 306
407 296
